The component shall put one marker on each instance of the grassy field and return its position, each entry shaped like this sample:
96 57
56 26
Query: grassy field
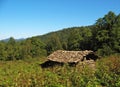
30 74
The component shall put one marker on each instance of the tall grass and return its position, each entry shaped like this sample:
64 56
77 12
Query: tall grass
30 74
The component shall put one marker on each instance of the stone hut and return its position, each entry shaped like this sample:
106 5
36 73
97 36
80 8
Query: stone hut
61 57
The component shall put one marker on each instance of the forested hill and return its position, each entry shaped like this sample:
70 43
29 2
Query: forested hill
67 39
62 34
103 37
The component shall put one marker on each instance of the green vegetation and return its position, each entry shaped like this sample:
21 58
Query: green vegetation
29 48
103 37
30 74
20 60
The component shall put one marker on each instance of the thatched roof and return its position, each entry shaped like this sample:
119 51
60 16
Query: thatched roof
68 56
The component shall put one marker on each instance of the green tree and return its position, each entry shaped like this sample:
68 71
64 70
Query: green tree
116 34
85 42
103 33
74 40
10 48
2 51
53 44
11 41
38 47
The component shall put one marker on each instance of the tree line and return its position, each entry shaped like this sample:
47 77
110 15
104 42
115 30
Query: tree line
16 50
103 37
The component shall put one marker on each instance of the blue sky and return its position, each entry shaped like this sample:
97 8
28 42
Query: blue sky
26 18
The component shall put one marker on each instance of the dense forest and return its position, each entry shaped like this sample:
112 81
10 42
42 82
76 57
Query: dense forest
103 37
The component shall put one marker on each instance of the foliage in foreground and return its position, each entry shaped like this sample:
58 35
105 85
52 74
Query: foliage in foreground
30 74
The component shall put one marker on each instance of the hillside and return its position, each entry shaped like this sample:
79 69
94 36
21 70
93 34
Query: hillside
29 74
103 37
63 34
59 43
20 61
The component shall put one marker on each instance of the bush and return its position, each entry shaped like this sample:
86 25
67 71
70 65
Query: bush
108 71
30 74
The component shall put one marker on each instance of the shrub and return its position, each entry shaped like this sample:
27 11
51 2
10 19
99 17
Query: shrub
108 71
